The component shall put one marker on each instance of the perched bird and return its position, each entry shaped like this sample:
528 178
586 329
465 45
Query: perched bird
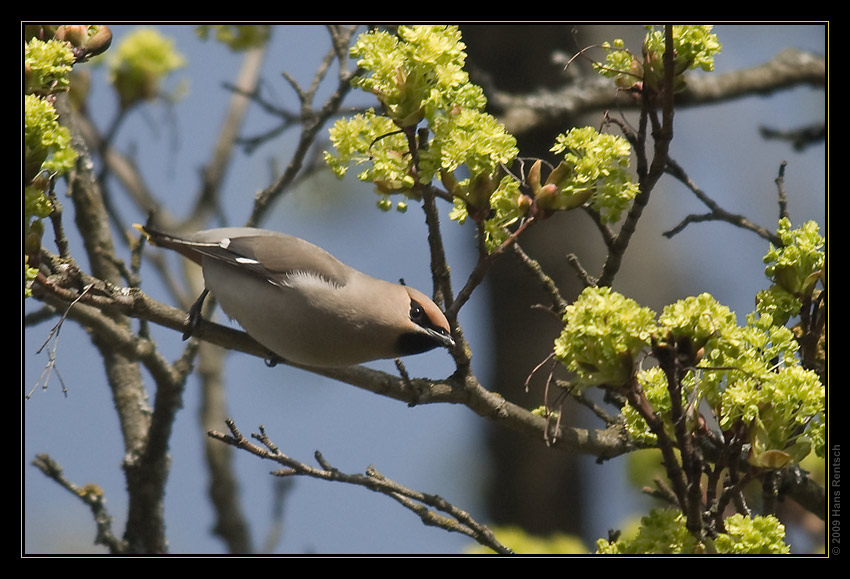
305 305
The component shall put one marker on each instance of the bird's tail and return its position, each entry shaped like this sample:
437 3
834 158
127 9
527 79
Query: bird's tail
184 247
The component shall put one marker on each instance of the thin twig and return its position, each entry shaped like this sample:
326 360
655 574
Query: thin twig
53 335
91 495
648 175
586 279
716 213
780 190
453 519
582 399
559 304
484 265
312 120
800 138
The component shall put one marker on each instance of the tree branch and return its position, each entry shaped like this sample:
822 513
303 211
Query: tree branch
524 113
92 496
648 176
312 121
460 388
716 212
454 519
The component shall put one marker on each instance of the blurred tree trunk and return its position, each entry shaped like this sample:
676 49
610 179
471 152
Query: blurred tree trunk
532 486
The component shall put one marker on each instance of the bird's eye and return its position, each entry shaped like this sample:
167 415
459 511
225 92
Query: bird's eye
417 312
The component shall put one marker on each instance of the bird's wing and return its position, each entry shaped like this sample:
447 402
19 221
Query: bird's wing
277 257
270 255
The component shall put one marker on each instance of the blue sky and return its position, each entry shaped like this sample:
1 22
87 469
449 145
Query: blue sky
431 448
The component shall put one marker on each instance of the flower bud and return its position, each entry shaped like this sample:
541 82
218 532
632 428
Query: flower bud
99 41
534 178
450 182
770 459
32 240
34 158
480 189
74 34
786 277
80 37
389 186
577 199
524 203
560 175
545 202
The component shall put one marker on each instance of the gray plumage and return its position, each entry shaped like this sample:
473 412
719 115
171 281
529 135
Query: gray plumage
305 305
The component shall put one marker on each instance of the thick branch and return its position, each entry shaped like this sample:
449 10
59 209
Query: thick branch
525 112
457 389
145 473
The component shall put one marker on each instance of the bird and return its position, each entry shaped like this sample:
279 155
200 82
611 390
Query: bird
302 303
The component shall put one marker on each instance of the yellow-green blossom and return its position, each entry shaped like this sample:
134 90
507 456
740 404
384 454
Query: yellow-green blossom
760 535
140 64
694 46
595 168
795 268
604 332
47 66
47 144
